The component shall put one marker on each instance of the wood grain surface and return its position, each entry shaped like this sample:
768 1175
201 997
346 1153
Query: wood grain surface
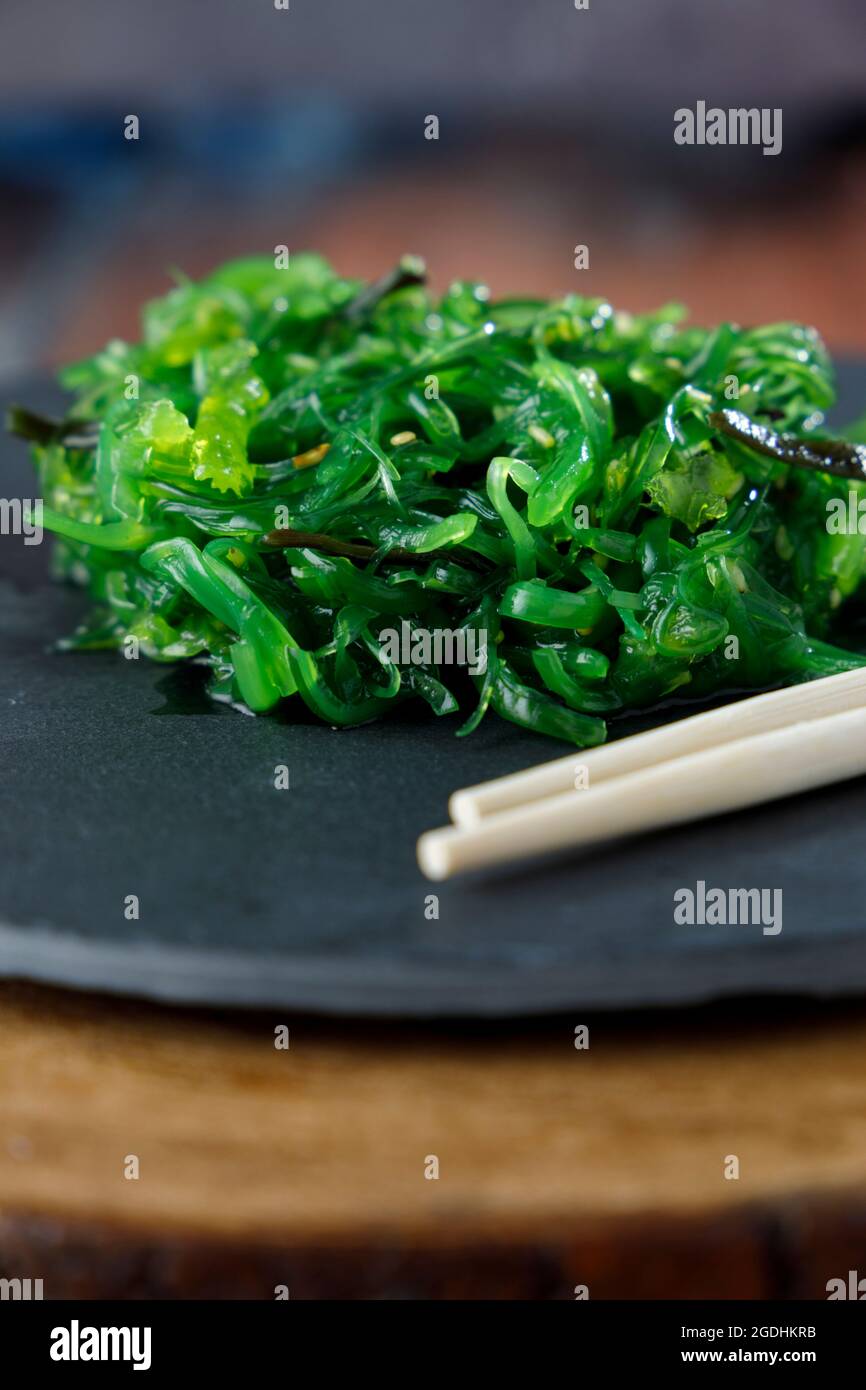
305 1167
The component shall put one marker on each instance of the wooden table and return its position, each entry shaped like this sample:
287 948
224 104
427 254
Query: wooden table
306 1167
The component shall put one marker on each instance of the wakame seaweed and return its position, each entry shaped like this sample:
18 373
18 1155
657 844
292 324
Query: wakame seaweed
289 463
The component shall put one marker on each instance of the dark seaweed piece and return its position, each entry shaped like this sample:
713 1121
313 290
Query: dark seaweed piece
39 429
286 539
410 270
836 456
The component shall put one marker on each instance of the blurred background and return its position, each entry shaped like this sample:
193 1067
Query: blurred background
305 126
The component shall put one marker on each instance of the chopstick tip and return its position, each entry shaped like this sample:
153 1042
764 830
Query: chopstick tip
434 861
462 809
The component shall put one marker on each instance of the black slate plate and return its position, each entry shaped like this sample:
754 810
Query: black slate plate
119 778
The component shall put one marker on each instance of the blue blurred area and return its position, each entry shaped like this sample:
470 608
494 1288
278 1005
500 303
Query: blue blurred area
248 146
72 183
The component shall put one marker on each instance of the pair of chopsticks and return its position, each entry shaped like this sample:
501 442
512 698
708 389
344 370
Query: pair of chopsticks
761 748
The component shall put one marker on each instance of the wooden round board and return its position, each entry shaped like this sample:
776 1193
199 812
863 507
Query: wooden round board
605 1169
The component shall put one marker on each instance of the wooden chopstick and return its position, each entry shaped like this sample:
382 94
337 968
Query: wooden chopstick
746 772
753 715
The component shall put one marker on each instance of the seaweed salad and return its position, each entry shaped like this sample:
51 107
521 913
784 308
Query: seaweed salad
290 463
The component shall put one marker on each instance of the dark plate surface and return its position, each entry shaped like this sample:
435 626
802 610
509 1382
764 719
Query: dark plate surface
120 779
